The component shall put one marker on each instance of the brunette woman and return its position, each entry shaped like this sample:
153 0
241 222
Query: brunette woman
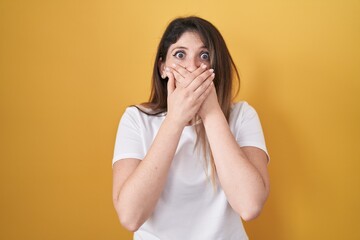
190 163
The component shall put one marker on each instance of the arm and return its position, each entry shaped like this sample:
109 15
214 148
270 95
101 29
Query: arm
242 172
139 184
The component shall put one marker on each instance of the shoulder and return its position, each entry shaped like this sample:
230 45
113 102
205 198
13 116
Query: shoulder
242 109
142 117
131 112
142 111
148 109
240 105
135 116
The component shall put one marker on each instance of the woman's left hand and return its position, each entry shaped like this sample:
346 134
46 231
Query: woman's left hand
210 104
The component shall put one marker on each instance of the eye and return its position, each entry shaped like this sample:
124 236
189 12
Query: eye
179 54
205 56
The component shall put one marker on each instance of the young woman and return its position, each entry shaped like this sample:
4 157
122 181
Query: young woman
190 162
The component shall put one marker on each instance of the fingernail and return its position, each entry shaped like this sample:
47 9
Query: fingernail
167 69
211 70
203 65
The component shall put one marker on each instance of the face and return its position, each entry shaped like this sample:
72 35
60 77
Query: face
189 52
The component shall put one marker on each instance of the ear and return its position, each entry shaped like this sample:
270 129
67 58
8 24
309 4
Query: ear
161 67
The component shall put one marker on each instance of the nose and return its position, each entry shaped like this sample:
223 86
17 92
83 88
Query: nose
192 64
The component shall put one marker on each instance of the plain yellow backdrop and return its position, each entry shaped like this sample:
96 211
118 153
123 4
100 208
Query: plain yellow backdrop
68 69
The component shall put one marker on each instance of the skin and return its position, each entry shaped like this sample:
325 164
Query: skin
242 171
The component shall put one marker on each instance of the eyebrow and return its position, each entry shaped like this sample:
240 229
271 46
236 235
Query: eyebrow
181 47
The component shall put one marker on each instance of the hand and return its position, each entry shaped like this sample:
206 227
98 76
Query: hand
192 88
210 104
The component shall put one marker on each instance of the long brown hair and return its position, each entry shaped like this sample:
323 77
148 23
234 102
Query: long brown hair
221 62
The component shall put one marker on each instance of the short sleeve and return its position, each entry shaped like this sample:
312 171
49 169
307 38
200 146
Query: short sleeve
128 143
247 127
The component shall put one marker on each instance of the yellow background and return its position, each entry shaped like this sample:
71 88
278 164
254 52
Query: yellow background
69 68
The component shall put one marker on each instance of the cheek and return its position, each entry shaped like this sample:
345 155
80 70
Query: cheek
170 61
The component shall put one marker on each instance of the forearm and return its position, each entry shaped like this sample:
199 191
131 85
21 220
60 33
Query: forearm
242 183
140 193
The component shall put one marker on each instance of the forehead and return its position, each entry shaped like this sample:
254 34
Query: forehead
191 40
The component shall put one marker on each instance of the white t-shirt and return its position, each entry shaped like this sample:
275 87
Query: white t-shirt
189 207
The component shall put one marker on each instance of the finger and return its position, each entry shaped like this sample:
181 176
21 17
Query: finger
202 68
186 73
181 70
178 78
182 81
171 81
206 93
191 77
199 80
204 86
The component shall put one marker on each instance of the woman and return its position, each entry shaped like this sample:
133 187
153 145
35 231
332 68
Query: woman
189 163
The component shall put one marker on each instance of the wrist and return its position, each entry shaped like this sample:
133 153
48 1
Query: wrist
173 124
211 113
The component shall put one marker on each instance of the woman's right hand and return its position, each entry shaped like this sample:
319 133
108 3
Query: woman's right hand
192 88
